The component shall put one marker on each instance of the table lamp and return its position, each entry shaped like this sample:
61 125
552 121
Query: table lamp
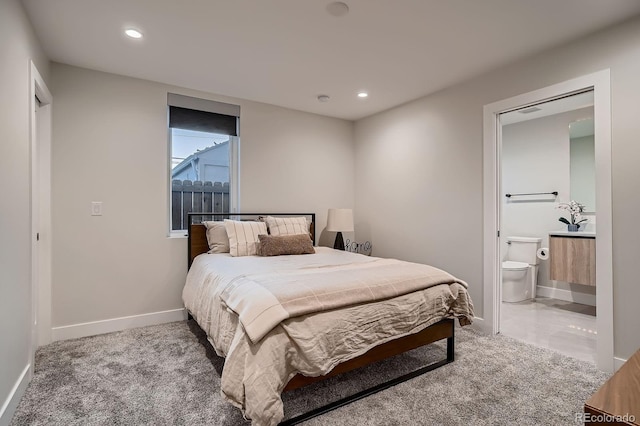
340 220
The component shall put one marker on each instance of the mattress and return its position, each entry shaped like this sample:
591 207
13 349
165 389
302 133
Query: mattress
311 343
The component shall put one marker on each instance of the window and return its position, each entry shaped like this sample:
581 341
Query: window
203 158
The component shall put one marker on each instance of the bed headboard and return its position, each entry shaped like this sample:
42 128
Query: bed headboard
197 233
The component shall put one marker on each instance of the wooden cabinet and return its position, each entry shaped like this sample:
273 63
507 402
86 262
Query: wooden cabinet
618 400
573 259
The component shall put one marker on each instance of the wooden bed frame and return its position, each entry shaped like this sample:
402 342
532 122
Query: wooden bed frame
443 329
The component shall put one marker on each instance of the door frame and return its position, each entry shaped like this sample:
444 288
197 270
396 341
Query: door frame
600 83
40 210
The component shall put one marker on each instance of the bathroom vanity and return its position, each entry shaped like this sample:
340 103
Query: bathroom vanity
572 257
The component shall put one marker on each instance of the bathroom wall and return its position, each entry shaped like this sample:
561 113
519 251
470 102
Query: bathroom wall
535 158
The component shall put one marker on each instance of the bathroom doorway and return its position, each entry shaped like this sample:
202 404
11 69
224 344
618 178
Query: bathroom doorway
547 158
528 173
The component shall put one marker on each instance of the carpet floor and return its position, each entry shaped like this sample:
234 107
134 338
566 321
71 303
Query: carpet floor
169 375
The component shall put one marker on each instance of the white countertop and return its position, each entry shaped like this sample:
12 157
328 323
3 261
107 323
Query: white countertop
576 234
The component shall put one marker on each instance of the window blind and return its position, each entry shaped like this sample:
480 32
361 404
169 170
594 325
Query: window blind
202 115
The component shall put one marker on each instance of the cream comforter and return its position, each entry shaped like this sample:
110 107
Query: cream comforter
257 367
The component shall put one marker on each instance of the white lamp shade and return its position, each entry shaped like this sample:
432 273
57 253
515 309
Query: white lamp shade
340 220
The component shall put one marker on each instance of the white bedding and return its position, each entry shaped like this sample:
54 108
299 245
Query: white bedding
209 275
255 373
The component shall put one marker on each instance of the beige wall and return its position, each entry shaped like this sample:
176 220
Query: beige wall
416 184
419 168
18 46
110 145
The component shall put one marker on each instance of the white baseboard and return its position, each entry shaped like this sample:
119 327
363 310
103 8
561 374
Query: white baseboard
617 363
11 403
566 295
93 328
481 325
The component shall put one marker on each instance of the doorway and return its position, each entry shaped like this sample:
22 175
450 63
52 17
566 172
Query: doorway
548 162
494 194
40 136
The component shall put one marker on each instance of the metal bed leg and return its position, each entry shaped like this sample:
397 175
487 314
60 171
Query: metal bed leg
367 392
450 345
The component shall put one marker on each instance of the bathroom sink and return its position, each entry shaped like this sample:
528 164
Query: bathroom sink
587 230
576 234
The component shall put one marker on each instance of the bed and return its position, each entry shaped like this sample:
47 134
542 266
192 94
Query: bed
284 321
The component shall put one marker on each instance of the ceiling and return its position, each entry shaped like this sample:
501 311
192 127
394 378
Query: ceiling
287 52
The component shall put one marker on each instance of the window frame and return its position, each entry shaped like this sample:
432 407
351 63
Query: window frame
234 153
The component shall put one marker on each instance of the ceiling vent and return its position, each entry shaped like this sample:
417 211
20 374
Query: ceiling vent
529 110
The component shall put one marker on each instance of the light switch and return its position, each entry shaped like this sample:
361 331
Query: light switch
96 208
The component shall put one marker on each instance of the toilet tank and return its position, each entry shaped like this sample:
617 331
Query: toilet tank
523 249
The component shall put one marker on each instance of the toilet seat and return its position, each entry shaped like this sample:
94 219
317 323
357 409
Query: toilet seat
514 266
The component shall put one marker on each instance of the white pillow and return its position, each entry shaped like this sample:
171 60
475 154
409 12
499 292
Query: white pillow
217 237
243 236
287 225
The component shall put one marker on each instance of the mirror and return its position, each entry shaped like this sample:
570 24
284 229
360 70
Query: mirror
583 163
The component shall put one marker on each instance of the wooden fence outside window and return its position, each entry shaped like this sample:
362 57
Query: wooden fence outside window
196 196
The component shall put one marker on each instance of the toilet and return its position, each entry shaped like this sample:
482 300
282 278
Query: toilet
520 269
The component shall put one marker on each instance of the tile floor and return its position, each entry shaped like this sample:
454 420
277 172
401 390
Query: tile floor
569 328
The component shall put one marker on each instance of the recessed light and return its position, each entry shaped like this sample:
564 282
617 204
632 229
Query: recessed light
133 33
323 98
337 8
363 94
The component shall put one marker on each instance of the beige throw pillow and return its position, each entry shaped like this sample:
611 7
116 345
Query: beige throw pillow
276 245
243 236
287 225
217 237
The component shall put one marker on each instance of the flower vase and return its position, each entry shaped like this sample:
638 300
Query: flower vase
572 227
